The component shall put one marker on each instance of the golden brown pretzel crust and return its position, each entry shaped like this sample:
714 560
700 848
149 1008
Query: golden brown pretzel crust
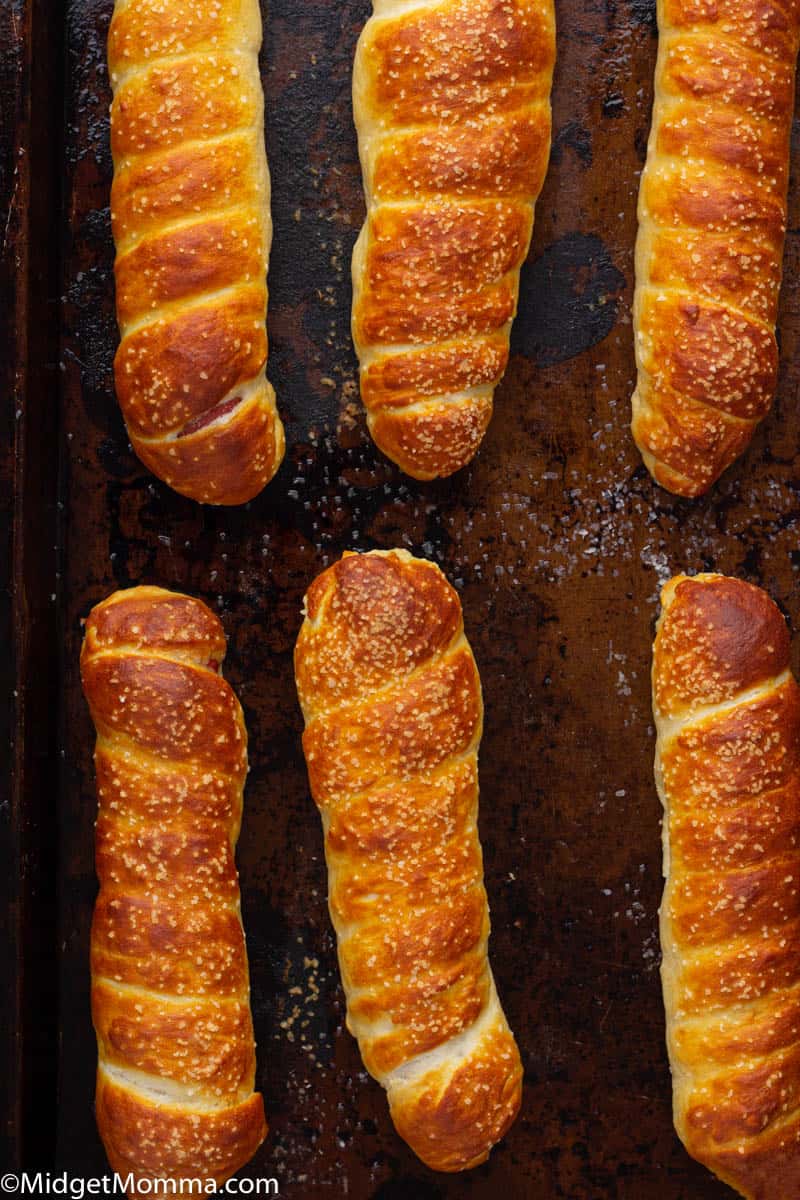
170 987
392 700
191 220
712 218
452 106
728 768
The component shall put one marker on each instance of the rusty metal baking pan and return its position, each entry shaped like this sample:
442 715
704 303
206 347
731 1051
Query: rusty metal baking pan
555 537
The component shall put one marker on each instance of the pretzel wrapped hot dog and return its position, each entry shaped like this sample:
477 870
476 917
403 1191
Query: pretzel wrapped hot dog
191 219
727 709
170 988
392 701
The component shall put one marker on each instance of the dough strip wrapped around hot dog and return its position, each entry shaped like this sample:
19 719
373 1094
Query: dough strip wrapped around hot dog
170 985
712 219
190 209
452 107
392 701
727 709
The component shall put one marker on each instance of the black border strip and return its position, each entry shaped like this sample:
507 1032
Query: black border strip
32 101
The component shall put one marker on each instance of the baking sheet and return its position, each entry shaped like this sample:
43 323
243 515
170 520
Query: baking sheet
557 540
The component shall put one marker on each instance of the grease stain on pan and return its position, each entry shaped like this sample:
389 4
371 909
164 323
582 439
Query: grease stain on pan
572 136
568 300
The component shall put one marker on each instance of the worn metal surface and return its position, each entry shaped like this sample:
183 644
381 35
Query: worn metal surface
13 180
558 541
30 85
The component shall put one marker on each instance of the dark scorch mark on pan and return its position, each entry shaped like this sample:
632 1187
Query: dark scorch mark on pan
643 12
568 300
573 136
116 457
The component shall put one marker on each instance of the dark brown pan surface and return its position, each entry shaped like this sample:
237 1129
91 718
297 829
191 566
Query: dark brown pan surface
555 537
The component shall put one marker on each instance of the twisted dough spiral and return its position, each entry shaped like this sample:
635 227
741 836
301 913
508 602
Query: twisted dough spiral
170 987
712 218
728 769
452 106
191 219
392 701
